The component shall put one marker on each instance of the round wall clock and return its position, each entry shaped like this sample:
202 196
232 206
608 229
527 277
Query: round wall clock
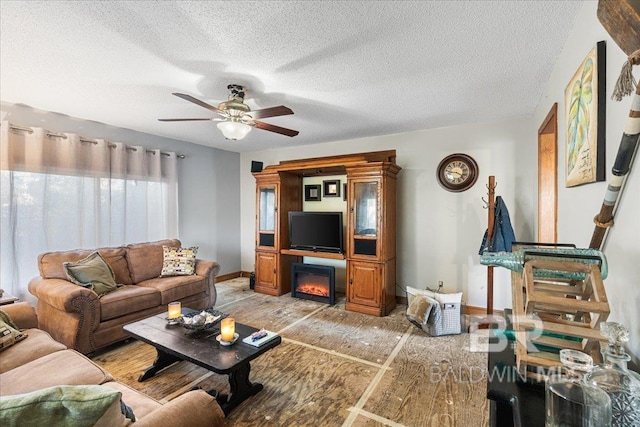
457 172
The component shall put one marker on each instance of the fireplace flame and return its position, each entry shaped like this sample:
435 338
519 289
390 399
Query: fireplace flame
313 289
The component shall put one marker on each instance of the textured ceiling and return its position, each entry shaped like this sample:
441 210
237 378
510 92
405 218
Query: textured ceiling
347 69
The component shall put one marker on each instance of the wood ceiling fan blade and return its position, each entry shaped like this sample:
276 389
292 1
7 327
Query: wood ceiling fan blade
181 120
280 110
197 102
276 129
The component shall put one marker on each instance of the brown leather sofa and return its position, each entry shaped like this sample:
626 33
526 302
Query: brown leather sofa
78 318
35 363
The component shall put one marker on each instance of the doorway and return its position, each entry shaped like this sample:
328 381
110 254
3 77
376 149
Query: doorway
548 178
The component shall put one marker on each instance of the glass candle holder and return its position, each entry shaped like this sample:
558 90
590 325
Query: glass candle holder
175 311
227 329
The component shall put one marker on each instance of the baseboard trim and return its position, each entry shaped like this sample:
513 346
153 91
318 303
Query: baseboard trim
472 310
228 276
469 309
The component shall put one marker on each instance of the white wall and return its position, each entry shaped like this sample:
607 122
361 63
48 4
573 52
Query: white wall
439 232
578 205
208 188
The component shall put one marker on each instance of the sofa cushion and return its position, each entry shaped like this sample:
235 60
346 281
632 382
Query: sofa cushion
50 263
178 261
145 259
92 272
65 367
176 288
39 344
68 406
128 299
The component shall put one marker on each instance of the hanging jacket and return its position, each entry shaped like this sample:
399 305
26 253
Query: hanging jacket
503 235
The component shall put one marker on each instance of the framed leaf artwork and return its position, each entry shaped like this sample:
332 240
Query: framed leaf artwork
584 100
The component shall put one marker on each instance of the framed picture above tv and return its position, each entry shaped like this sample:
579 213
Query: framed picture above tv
331 188
312 193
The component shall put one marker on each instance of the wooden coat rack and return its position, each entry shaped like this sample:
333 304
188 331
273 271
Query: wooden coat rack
491 205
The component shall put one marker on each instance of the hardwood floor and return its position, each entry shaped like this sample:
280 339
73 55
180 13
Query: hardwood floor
333 368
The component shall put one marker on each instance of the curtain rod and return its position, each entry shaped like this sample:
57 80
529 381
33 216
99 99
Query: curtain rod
86 140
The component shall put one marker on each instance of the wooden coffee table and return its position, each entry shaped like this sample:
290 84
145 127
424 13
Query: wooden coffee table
174 343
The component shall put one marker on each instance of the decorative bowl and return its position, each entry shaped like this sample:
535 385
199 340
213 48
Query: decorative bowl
201 321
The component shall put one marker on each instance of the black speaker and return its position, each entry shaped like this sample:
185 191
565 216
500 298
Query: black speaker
256 166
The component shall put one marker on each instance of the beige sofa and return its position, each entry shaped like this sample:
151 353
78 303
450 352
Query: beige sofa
78 318
35 364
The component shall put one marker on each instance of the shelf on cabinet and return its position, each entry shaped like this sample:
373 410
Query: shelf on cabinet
316 254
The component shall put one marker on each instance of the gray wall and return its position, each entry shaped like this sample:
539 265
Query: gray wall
208 181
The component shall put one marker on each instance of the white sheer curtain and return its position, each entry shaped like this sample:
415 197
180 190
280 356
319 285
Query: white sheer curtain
59 192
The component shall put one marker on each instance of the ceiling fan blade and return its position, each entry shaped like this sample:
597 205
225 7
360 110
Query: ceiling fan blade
276 129
280 110
197 102
180 120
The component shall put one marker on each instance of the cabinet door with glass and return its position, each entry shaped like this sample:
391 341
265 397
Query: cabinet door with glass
364 215
267 218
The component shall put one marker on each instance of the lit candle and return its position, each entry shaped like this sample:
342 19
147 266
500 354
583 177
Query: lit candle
175 310
227 329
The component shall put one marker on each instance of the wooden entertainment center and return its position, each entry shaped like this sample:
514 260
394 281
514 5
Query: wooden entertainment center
370 226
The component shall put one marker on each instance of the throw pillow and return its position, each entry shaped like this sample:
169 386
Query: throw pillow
68 406
9 334
419 310
412 292
92 272
178 261
4 316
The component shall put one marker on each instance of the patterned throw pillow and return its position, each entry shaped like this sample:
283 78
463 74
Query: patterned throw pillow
9 333
179 261
92 272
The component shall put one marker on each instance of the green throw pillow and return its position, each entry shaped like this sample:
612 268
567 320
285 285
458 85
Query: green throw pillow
7 319
9 334
92 272
69 406
178 261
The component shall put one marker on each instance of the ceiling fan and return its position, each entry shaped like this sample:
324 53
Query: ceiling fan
237 118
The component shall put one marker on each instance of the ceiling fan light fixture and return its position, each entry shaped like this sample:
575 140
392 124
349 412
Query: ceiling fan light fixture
234 130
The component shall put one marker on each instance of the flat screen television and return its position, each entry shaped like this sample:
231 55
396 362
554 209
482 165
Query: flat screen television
316 231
